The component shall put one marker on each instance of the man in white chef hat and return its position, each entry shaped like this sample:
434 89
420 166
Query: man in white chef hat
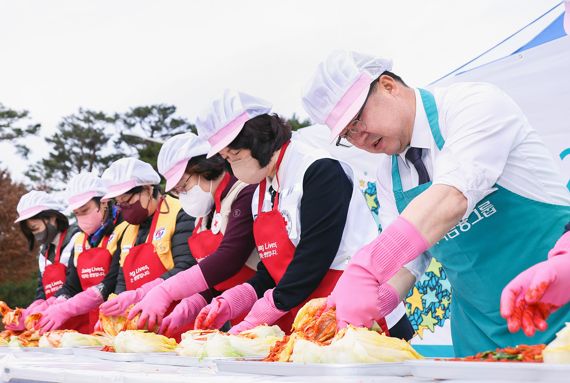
465 176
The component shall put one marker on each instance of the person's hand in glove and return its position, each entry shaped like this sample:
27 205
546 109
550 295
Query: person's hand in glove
36 306
263 311
54 316
157 301
362 294
183 315
231 304
119 304
528 300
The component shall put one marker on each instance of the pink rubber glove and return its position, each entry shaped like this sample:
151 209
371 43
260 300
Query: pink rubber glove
262 312
43 306
121 303
39 304
361 295
155 303
534 294
374 303
81 303
36 306
231 304
183 315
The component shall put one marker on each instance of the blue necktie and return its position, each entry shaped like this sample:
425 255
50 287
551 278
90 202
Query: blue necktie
414 155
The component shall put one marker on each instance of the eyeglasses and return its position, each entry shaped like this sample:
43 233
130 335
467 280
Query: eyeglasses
356 126
127 203
175 192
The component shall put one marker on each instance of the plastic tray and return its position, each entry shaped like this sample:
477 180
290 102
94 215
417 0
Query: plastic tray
58 351
30 349
514 371
114 356
312 369
173 359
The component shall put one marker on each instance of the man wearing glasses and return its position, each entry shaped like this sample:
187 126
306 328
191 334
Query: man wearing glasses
465 176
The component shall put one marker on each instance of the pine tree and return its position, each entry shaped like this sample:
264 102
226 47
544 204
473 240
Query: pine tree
82 142
297 124
11 129
146 127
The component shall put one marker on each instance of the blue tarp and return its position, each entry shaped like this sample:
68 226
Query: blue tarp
554 31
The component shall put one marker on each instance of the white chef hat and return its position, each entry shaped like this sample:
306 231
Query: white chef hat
339 87
82 187
128 173
175 154
223 120
35 202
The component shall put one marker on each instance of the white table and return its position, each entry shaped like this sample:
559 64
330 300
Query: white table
16 366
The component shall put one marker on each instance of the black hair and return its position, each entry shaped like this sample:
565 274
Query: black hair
374 83
263 135
61 222
209 168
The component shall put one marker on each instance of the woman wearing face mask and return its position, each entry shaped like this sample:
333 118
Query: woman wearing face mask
309 217
222 241
42 221
154 246
94 262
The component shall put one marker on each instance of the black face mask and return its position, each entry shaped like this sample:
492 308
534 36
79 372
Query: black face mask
135 213
47 235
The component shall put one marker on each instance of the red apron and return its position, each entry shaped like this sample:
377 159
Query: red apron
92 266
276 250
143 264
53 279
206 242
54 275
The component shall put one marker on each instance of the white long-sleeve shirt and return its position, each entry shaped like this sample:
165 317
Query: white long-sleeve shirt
488 141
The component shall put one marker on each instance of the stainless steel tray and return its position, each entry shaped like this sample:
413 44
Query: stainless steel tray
503 371
312 369
58 351
114 356
173 359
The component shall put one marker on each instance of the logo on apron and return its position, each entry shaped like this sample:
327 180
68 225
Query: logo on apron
216 223
139 273
159 234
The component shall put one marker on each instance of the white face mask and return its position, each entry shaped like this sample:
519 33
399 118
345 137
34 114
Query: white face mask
197 202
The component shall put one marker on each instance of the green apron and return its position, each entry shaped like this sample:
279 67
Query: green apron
504 235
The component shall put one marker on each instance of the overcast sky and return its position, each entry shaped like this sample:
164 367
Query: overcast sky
57 56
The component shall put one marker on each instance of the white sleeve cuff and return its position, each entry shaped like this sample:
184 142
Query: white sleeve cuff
419 265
